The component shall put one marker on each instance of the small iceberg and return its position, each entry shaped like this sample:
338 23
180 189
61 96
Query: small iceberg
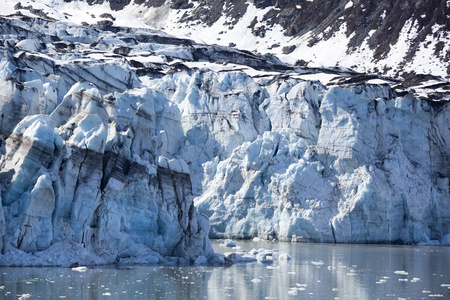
284 257
228 243
265 258
240 257
79 269
401 272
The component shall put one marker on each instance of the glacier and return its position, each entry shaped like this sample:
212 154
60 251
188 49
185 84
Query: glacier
368 172
122 145
81 175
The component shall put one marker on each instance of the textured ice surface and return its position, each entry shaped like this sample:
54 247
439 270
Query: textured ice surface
364 169
77 176
104 154
80 178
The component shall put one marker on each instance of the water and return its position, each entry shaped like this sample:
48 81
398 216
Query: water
316 271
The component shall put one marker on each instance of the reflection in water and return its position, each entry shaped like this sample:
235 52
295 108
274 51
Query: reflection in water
316 271
140 282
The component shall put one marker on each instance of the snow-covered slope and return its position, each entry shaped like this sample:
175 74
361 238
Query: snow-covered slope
384 37
111 134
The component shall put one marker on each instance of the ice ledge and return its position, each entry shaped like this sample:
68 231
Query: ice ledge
176 165
70 254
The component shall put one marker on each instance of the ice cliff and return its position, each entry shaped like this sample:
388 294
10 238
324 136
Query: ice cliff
293 159
347 164
86 174
109 136
81 177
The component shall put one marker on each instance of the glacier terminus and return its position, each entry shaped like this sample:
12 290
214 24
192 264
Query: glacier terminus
129 145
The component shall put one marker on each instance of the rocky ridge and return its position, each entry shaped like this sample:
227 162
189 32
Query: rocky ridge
383 37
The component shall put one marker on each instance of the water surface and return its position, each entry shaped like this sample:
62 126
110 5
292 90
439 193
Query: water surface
316 271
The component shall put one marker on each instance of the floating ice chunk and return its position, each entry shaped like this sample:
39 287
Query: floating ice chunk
401 272
254 252
240 257
218 258
265 258
445 285
403 279
25 296
293 292
256 280
228 243
256 239
317 263
80 269
284 257
415 279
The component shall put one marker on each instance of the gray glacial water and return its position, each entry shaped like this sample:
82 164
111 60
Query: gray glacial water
316 271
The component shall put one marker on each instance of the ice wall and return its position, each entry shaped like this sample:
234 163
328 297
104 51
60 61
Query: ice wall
104 155
86 176
352 164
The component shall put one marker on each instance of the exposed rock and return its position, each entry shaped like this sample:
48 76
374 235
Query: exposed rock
288 49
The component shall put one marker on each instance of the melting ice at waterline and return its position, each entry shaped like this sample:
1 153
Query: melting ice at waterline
315 271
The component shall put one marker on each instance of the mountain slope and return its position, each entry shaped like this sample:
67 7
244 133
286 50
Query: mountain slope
385 37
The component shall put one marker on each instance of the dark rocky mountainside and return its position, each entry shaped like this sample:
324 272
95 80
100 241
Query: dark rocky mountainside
380 21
